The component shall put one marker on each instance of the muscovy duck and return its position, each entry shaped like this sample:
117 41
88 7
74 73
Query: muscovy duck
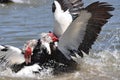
16 58
77 29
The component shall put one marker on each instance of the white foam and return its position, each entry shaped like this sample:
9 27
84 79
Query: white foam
27 72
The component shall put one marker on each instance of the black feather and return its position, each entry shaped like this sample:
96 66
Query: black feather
100 15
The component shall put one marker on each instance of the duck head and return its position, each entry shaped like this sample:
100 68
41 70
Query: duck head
28 50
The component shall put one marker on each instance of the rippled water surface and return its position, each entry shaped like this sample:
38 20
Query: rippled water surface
26 19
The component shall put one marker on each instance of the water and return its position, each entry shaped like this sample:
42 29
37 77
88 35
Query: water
26 19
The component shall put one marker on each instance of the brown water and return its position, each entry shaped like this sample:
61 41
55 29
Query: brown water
23 21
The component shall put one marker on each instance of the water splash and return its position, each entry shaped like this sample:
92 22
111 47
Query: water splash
27 72
103 63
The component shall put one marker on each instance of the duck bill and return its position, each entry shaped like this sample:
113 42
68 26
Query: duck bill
28 60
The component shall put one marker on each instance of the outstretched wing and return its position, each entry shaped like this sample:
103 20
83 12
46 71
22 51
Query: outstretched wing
100 15
84 30
10 55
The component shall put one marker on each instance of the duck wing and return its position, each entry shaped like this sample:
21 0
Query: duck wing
11 55
83 31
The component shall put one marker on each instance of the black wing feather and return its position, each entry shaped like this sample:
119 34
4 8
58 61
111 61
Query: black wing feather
100 16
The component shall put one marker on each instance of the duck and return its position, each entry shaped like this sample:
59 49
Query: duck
76 29
17 59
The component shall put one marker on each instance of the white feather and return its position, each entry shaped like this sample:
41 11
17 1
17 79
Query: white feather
12 56
62 20
46 39
47 46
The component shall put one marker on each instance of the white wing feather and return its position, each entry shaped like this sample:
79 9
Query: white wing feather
13 55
